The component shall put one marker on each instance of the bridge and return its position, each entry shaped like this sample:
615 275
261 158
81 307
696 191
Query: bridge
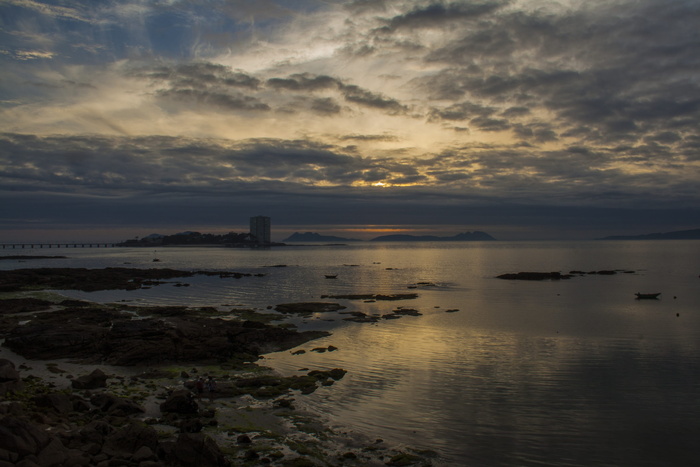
57 245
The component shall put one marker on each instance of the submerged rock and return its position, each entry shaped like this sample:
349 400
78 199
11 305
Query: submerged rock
534 276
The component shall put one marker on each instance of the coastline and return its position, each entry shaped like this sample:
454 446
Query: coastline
256 417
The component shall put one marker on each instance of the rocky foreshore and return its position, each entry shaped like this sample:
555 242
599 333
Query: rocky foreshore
556 275
116 385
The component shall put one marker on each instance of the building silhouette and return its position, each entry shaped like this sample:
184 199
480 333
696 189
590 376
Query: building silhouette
260 230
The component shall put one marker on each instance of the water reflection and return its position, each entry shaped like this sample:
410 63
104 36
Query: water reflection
512 399
549 373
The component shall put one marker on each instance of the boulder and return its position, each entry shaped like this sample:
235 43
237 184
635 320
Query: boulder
130 438
95 432
115 405
9 377
180 402
96 379
21 438
197 449
58 401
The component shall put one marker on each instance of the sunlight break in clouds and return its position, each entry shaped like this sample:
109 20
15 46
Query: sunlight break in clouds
468 111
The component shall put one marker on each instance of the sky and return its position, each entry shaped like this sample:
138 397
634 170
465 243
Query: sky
526 119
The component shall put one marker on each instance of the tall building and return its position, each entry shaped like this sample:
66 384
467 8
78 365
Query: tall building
260 229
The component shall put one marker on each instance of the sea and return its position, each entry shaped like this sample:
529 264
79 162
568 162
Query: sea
489 372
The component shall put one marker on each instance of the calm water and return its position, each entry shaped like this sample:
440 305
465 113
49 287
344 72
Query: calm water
573 372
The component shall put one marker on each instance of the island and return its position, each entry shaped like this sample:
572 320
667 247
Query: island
693 234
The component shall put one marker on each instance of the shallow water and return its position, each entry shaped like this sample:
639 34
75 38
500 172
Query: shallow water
573 372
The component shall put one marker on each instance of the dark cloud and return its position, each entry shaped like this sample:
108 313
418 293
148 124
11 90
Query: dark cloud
438 14
229 101
367 98
305 82
608 74
351 93
368 137
461 111
169 164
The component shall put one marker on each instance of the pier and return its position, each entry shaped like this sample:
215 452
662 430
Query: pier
57 245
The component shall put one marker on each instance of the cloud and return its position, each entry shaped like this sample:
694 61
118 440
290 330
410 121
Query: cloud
583 104
434 15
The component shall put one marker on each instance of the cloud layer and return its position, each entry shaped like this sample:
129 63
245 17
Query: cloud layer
481 105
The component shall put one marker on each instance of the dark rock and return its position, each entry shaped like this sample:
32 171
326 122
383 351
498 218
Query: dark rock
23 305
75 303
114 405
308 308
96 379
197 449
53 454
180 402
58 401
9 377
131 438
390 297
95 432
192 425
243 439
21 438
144 453
534 276
95 335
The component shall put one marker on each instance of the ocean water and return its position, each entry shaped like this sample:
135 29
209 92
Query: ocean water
564 373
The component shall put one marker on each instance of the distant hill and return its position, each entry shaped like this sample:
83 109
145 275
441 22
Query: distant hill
475 236
677 235
314 237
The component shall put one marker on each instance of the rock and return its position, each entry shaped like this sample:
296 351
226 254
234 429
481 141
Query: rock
58 401
113 337
197 449
96 379
144 453
9 377
53 454
180 402
23 305
114 405
534 276
308 308
193 425
21 438
390 297
243 439
95 432
130 438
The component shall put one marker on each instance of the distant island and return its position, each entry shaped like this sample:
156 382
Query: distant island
189 238
677 235
314 237
232 239
475 236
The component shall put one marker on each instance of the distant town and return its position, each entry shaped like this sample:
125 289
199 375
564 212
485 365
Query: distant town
258 236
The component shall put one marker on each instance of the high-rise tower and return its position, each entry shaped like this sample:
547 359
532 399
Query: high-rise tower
260 229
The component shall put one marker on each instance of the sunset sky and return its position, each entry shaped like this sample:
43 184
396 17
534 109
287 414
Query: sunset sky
527 119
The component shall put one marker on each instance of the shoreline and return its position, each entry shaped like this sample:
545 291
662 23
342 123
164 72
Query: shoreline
257 417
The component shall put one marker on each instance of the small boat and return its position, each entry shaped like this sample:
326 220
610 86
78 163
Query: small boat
641 296
331 276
